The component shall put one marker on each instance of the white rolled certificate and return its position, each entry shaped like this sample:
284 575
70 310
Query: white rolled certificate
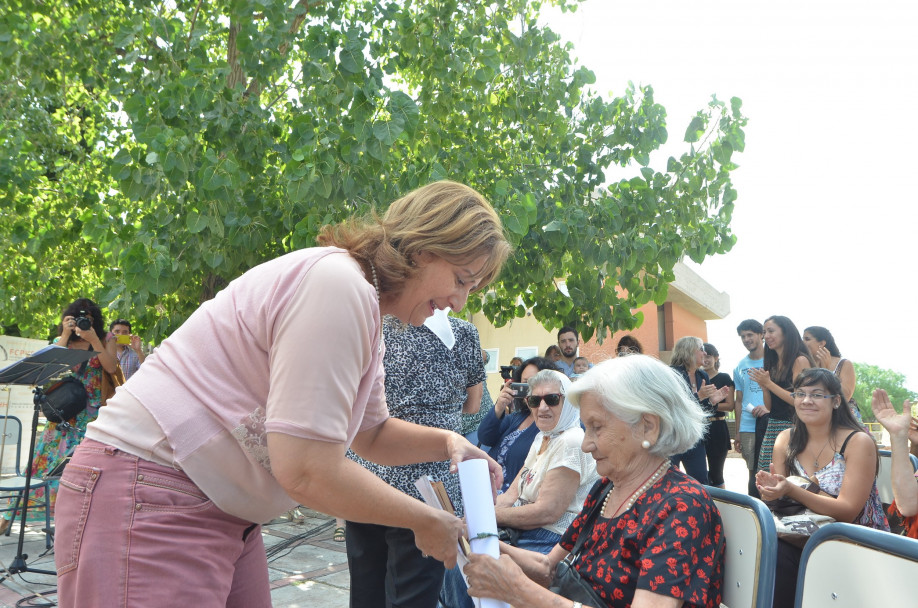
477 497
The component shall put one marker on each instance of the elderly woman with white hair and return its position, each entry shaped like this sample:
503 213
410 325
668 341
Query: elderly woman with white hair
648 535
549 490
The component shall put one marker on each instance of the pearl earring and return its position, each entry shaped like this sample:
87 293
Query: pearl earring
645 444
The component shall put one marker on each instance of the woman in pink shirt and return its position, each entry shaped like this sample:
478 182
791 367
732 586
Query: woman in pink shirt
249 407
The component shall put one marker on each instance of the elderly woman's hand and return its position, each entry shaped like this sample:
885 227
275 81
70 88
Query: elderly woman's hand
495 578
771 485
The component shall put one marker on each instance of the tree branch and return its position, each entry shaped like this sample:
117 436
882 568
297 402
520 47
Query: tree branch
295 25
194 18
236 75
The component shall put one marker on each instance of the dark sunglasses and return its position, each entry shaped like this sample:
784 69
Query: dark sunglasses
551 400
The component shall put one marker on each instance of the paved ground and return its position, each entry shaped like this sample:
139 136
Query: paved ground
306 566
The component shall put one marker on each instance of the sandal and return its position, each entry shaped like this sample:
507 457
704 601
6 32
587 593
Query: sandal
338 536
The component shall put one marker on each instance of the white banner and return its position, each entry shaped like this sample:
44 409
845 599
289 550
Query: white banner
16 401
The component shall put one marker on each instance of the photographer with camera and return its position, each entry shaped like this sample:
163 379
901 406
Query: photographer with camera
80 328
128 347
508 428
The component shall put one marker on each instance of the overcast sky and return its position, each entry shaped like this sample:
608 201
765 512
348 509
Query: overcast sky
826 216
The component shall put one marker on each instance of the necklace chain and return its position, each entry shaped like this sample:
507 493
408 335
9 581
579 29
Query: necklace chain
816 460
629 502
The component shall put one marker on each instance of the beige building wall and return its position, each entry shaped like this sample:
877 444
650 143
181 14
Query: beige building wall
524 333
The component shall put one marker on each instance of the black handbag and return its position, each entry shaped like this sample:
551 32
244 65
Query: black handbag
568 582
64 399
511 536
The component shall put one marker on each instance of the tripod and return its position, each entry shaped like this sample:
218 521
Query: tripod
42 366
18 565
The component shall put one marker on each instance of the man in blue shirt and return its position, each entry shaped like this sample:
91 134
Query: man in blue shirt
751 415
568 341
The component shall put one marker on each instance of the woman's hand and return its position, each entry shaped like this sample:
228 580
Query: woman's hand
771 485
719 395
504 400
898 425
760 377
500 578
460 449
438 537
92 337
67 326
823 357
706 390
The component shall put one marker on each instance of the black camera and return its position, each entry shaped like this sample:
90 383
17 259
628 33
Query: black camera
82 321
506 371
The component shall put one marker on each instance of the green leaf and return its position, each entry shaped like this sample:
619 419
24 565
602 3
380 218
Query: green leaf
351 57
195 222
695 129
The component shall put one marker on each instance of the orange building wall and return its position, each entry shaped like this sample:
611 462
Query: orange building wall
677 321
646 334
681 323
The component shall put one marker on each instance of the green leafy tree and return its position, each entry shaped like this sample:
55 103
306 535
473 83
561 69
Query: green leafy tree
150 152
870 378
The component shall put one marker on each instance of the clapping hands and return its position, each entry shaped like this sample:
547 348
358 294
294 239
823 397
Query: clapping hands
712 393
771 485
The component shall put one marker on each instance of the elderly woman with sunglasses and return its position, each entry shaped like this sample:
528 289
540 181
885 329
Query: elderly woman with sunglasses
556 477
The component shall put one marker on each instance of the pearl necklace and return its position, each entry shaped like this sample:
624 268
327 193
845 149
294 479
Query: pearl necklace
648 483
376 285
375 280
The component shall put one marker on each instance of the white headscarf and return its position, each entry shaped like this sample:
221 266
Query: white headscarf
570 415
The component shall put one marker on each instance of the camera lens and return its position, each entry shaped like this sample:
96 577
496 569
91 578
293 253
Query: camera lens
83 323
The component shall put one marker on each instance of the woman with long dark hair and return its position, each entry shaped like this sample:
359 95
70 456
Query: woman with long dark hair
785 357
821 344
828 445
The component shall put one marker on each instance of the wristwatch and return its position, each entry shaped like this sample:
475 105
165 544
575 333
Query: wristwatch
577 605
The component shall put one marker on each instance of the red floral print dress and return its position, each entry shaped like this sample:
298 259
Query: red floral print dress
671 542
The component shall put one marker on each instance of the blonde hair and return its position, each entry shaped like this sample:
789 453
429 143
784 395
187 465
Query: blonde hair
448 219
684 351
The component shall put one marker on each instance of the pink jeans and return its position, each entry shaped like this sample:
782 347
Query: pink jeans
133 533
